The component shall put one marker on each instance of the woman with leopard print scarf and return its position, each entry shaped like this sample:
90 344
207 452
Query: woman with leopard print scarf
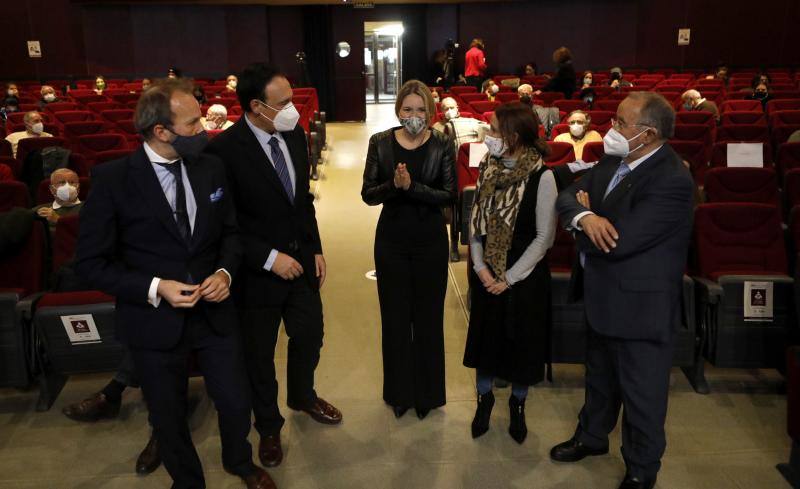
512 226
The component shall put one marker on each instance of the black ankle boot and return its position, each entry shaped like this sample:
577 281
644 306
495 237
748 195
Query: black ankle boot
517 428
480 424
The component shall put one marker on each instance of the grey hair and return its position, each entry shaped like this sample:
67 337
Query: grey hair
29 115
656 112
218 109
691 93
154 106
585 114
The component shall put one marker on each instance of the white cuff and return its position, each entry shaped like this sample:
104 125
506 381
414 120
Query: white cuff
230 279
574 224
152 295
271 260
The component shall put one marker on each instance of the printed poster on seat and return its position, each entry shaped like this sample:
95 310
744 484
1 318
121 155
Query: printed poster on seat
81 329
744 155
758 301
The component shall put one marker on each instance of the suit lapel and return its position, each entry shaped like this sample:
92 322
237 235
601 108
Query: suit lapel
260 161
201 189
145 178
298 155
629 181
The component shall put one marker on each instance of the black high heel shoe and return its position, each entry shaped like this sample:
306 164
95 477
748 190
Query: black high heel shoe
517 428
480 424
421 413
399 411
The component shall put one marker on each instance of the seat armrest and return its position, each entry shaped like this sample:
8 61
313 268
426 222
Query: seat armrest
710 292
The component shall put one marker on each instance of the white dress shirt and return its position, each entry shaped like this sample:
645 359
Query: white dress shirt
264 138
167 181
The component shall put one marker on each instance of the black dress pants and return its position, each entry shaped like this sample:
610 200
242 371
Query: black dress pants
164 377
412 282
633 375
301 313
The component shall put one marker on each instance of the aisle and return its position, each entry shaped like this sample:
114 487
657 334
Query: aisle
730 439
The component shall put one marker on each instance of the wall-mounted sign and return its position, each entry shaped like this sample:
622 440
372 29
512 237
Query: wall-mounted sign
34 49
684 36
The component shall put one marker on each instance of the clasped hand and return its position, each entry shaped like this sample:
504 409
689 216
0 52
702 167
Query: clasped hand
492 285
215 288
402 179
599 229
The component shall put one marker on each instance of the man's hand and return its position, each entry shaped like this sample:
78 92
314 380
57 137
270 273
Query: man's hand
497 287
322 269
286 267
179 294
583 199
486 277
49 214
600 231
216 288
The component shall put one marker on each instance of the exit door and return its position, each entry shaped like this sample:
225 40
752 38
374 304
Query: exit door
383 47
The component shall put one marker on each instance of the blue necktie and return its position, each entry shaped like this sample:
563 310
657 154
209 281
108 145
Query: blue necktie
181 214
621 173
280 167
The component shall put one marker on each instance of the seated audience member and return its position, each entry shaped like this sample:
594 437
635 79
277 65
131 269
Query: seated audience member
99 85
564 81
490 89
12 90
199 94
530 69
460 129
761 93
11 98
64 185
34 128
548 116
174 72
48 96
617 81
579 132
692 100
216 118
721 73
232 81
587 91
146 84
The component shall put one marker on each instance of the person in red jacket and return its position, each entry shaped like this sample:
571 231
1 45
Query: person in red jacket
475 64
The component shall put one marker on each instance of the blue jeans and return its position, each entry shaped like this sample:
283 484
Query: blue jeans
485 379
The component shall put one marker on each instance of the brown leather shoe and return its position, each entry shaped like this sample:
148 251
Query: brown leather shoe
322 412
148 460
270 452
92 408
259 479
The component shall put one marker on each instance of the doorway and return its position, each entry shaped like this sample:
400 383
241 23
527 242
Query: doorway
383 48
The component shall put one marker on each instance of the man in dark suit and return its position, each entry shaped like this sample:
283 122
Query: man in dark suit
632 216
266 157
159 233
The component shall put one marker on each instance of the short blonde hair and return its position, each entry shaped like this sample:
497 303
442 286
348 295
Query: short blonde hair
416 87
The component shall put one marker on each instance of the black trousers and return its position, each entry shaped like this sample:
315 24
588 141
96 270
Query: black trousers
412 282
475 81
164 376
302 317
633 375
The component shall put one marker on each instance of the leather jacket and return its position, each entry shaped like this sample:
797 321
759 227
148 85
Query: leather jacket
435 185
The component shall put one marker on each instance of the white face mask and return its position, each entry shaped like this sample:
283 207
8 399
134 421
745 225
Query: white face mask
67 193
577 130
587 81
231 84
615 144
496 145
211 125
451 113
37 128
495 88
286 118
49 97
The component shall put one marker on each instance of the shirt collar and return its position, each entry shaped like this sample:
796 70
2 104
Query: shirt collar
699 102
56 205
260 133
155 157
633 164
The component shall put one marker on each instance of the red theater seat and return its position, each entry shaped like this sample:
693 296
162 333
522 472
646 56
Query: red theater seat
570 105
117 115
548 98
696 154
757 185
74 116
719 154
103 156
560 154
695 117
32 144
750 117
791 190
483 106
74 129
593 151
472 97
91 144
61 107
601 119
783 104
457 89
741 105
609 105
505 97
788 156
743 132
98 107
13 194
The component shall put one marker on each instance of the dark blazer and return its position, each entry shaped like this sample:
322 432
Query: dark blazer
267 218
128 235
436 185
633 292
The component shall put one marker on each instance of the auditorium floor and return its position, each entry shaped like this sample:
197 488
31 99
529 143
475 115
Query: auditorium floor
730 439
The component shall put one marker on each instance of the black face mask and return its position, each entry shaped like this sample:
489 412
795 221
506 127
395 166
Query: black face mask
189 146
760 94
526 99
